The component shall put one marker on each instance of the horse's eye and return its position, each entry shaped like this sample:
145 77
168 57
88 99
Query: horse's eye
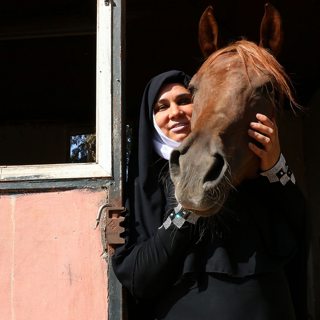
268 88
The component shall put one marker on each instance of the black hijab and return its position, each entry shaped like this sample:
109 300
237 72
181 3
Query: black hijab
146 201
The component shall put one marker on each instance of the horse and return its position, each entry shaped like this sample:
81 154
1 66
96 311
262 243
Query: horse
232 85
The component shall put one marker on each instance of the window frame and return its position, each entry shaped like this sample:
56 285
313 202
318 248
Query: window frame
102 168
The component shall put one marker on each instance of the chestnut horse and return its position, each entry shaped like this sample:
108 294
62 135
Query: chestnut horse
232 85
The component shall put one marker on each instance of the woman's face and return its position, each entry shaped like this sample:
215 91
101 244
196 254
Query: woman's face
173 110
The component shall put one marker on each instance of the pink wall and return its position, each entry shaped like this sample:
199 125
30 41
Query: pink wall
50 264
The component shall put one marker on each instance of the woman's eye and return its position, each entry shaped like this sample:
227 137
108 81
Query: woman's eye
186 100
161 107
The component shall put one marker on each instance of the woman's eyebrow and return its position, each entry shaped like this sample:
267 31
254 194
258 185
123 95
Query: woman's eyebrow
178 96
186 94
161 101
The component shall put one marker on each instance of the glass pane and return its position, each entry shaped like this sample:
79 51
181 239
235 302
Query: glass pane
48 57
83 148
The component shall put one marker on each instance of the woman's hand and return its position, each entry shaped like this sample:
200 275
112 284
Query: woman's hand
265 132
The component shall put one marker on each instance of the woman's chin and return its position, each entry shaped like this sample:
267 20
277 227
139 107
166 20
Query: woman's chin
179 137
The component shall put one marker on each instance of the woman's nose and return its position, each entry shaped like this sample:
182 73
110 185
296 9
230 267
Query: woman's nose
175 110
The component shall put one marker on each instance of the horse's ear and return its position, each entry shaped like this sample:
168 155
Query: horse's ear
208 32
271 35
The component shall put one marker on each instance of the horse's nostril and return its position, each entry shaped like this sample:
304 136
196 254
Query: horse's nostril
174 163
216 168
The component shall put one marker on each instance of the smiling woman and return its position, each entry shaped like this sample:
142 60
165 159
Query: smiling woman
173 110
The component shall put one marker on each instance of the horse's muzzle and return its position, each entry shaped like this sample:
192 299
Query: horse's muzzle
197 179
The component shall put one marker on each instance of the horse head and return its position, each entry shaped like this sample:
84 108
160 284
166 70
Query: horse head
229 89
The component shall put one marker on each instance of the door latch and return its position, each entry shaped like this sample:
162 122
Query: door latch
110 219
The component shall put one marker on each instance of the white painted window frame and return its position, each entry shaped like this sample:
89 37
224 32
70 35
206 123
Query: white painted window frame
102 168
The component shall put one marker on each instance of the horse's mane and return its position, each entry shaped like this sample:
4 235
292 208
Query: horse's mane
262 62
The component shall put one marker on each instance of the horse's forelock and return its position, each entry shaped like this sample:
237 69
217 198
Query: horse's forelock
262 62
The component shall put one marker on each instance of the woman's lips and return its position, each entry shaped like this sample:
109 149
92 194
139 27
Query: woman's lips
179 127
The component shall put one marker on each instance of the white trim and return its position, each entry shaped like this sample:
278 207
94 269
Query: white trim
103 167
52 171
103 93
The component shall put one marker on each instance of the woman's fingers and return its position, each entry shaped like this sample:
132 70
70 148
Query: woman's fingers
261 138
256 150
265 133
265 120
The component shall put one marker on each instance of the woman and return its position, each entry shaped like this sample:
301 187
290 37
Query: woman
229 266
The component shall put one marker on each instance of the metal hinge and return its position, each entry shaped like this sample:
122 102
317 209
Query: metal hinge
110 219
